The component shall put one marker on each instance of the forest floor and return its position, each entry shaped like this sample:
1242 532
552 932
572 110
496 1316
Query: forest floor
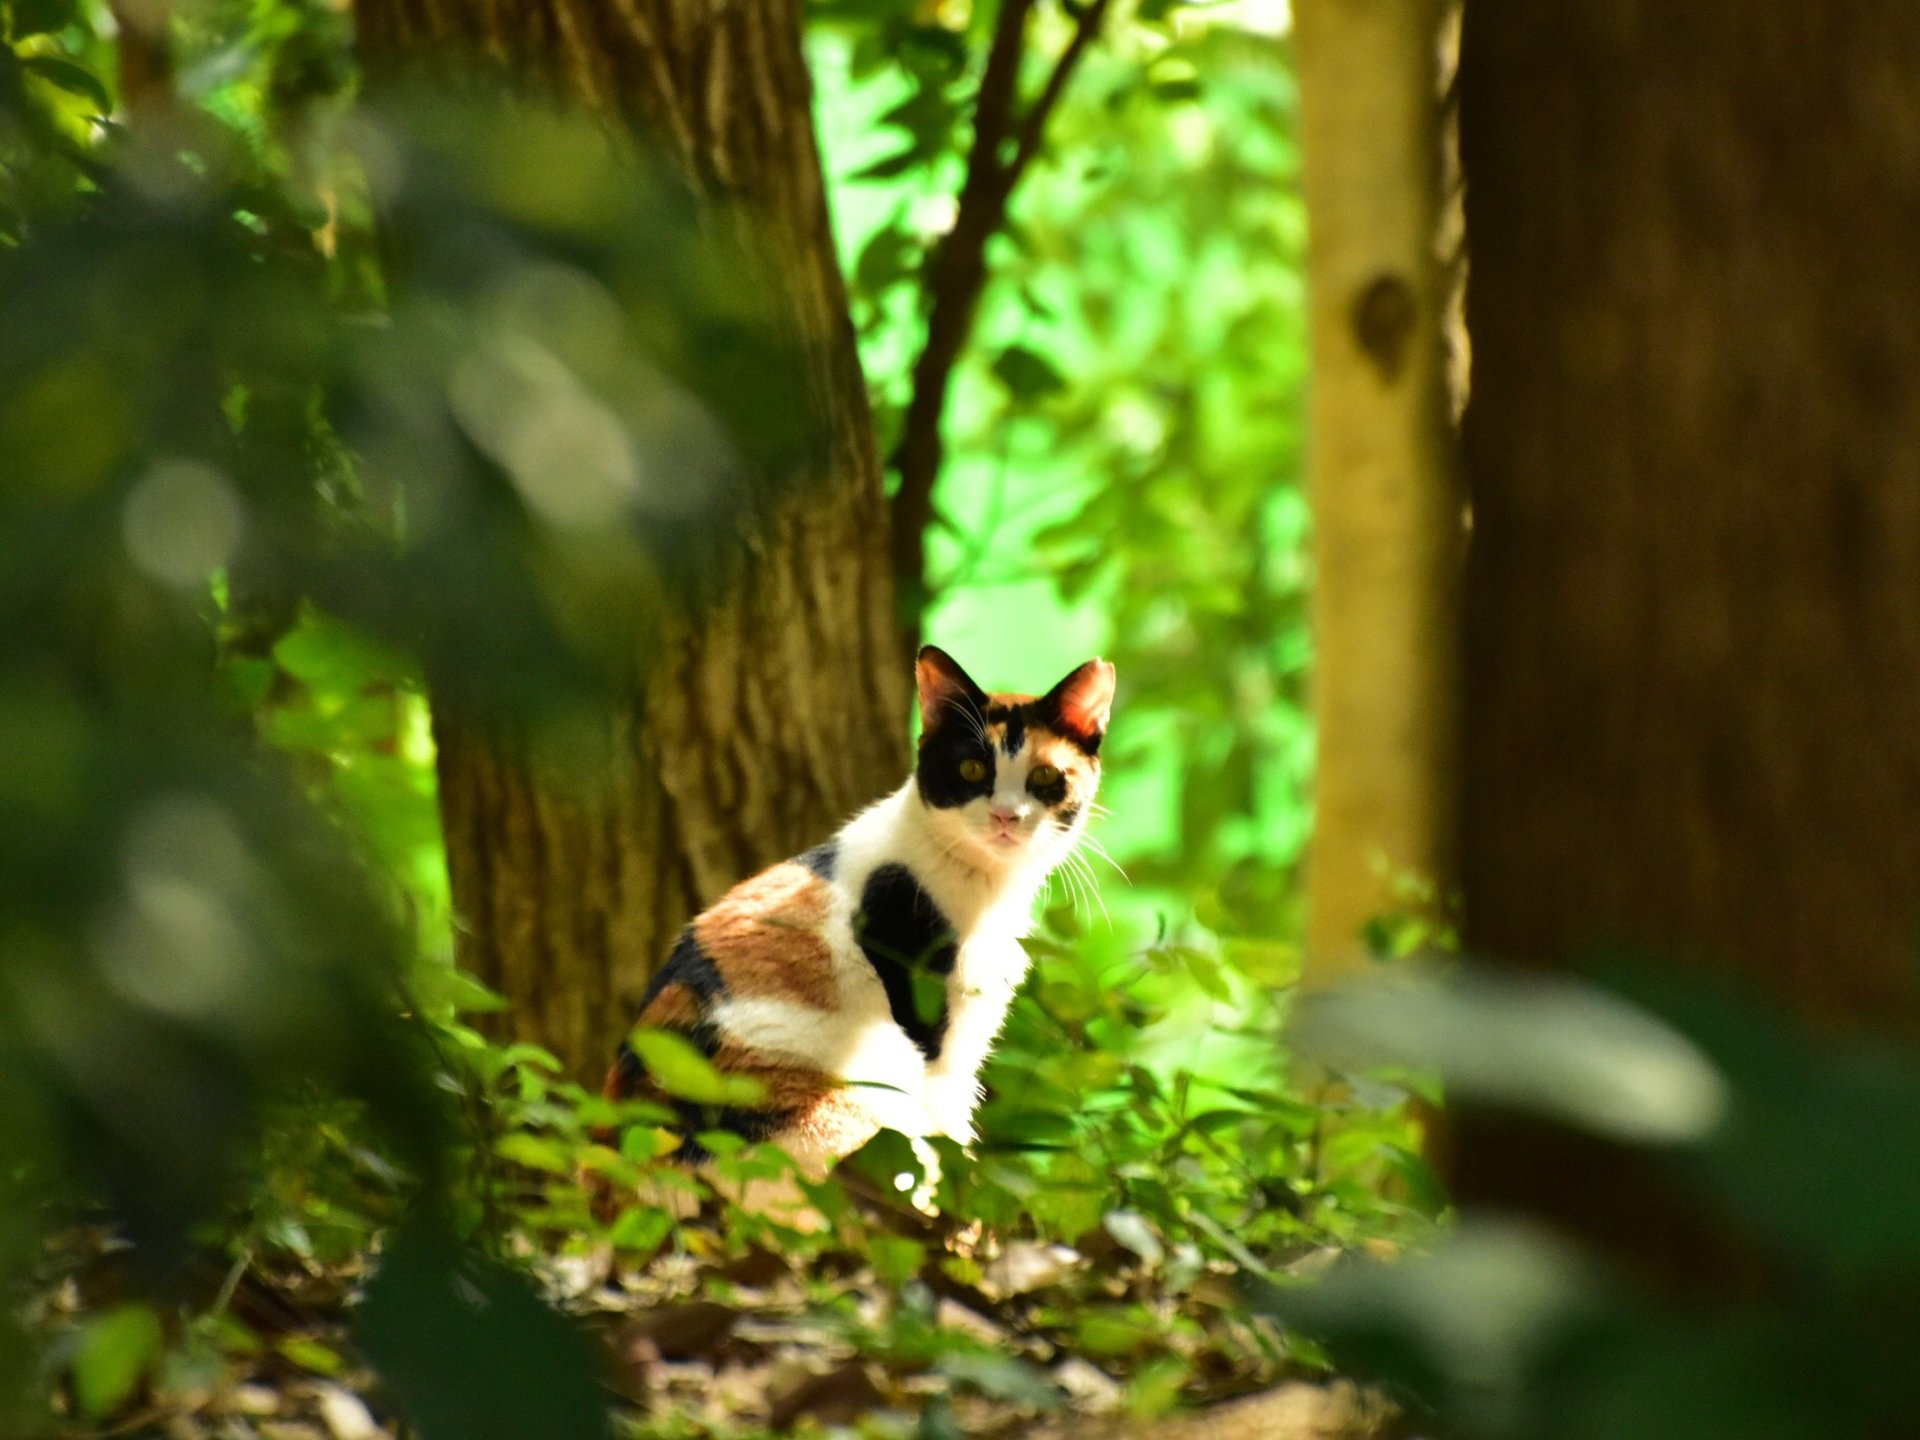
934 1332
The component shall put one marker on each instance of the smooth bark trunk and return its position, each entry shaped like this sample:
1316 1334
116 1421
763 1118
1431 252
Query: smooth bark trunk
1381 468
1692 614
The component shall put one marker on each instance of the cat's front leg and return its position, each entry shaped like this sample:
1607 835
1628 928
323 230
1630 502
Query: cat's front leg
951 1101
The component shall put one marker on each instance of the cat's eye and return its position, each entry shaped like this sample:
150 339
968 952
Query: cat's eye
1042 776
973 771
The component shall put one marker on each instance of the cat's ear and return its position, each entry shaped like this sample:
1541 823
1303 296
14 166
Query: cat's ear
944 686
1081 703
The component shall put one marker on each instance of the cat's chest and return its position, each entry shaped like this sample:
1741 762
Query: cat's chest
988 964
947 968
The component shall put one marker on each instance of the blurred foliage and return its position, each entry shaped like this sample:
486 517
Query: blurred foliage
1797 1152
263 472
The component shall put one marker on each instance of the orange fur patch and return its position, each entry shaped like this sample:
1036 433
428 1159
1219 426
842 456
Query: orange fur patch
1047 748
764 937
836 1123
787 1086
674 1008
1046 745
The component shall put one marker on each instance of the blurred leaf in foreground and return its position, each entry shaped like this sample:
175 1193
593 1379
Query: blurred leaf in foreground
472 1352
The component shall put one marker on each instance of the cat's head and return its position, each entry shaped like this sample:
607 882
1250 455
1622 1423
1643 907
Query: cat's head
1007 779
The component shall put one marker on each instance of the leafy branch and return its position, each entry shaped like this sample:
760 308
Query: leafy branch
958 271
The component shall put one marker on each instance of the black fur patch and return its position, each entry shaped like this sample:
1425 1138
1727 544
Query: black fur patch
821 858
626 1074
694 1120
688 965
1067 816
1051 794
912 948
1014 717
937 771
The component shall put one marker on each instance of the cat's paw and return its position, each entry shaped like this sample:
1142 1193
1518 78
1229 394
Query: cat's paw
953 1120
950 1111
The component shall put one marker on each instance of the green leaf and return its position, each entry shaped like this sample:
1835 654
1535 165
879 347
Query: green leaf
457 989
536 1152
244 681
1110 1332
896 1259
69 77
896 164
1005 1378
642 1228
680 1069
1270 964
115 1351
1177 89
500 1365
1027 374
888 1160
335 658
1155 1387
890 256
641 1143
310 1355
40 17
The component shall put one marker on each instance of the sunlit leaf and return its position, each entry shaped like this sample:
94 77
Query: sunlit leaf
114 1352
536 1152
70 77
678 1068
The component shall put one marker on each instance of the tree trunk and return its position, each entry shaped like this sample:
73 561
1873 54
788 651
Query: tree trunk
1386 499
768 719
1692 613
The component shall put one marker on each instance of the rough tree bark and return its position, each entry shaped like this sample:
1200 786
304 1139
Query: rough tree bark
1692 610
767 720
1386 497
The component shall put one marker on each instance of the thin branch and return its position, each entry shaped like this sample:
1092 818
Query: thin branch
1033 129
999 86
958 276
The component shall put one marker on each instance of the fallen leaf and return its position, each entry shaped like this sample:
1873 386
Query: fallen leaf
1089 1387
1132 1230
837 1397
345 1414
681 1332
1026 1266
758 1268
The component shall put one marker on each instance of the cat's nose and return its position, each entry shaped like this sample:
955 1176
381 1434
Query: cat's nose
1005 814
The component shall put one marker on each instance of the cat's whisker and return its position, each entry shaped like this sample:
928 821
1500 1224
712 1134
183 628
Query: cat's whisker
1080 888
1101 851
1083 880
1069 885
1093 888
964 708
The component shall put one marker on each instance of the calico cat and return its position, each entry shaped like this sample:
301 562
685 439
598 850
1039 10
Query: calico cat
863 983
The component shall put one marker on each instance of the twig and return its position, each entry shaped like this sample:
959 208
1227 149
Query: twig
958 276
1033 130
